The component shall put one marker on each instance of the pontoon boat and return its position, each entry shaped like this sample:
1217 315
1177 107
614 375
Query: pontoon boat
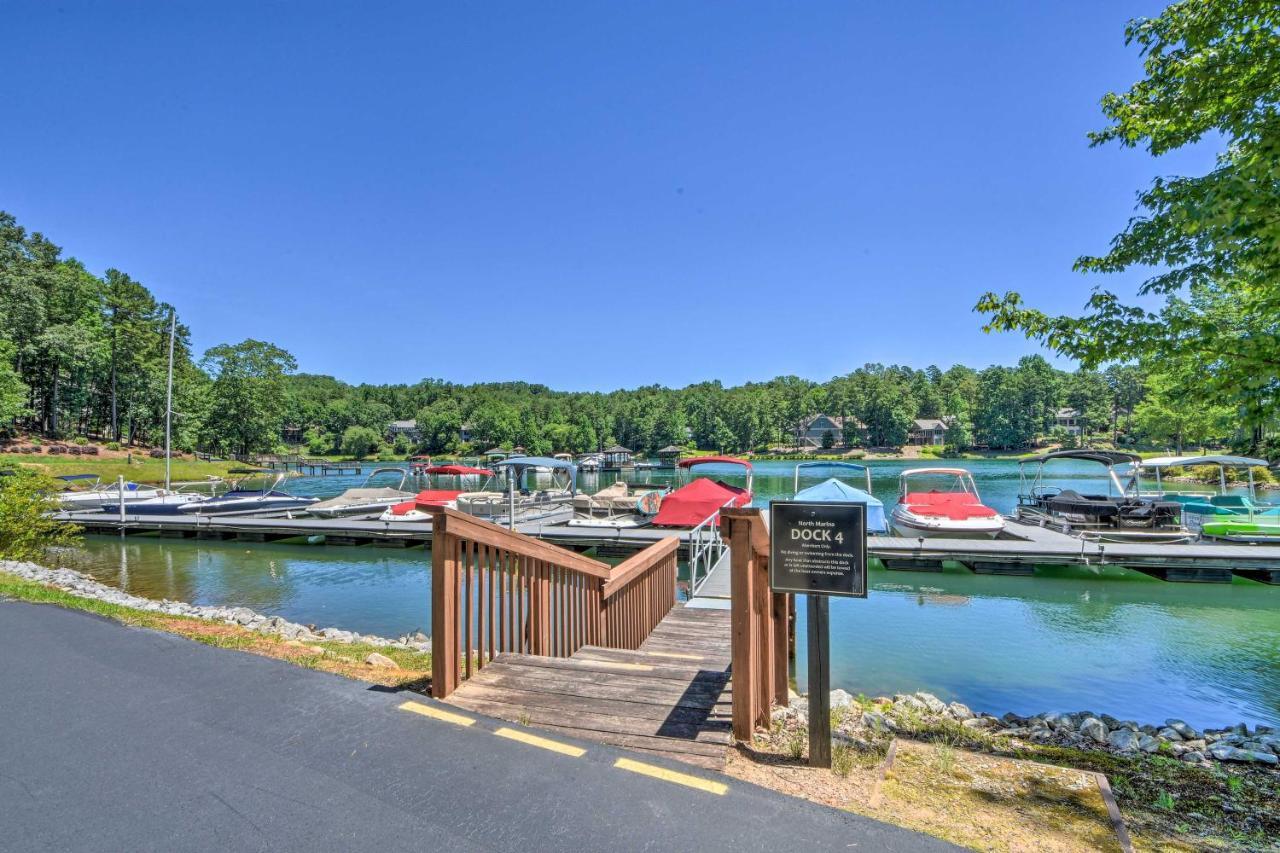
1229 517
418 508
1120 510
524 499
698 500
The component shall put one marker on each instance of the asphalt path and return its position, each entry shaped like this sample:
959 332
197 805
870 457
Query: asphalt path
119 738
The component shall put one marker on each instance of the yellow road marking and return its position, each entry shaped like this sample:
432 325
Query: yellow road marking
541 742
437 714
674 655
672 776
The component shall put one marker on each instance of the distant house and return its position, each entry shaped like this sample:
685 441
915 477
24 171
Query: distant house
1069 419
669 456
409 429
291 434
616 458
464 432
814 429
928 431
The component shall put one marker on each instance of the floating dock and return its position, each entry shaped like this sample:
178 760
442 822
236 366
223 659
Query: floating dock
1024 548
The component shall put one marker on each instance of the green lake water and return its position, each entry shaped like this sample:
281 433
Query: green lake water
1068 639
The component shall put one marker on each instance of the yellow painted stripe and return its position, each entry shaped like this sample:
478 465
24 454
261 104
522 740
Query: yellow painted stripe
541 742
672 776
437 714
675 655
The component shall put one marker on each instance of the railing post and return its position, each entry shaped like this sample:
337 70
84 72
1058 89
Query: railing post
744 649
781 607
444 626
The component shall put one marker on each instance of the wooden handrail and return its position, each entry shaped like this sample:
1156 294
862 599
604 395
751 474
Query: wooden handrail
638 564
494 590
758 525
487 533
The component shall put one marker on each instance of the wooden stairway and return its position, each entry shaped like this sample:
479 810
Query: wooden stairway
670 697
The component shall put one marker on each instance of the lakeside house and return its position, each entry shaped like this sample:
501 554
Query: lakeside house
616 458
815 429
1069 419
408 429
928 431
669 456
291 434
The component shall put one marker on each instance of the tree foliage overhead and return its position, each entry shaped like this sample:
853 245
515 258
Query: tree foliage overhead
1212 69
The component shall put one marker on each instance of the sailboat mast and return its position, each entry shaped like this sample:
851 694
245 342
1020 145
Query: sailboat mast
168 401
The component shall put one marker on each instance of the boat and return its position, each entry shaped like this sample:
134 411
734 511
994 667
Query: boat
833 489
701 499
1219 515
954 512
418 508
246 498
96 494
591 462
618 505
524 499
172 502
1122 512
365 499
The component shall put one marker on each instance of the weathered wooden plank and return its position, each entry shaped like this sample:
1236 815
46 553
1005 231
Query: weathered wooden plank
531 698
693 696
655 671
593 720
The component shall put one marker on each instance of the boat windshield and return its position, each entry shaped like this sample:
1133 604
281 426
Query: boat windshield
1119 469
936 480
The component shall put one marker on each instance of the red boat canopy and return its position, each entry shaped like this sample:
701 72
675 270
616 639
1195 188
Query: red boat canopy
956 506
457 470
707 460
689 506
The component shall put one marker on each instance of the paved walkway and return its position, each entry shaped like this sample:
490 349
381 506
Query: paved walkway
115 738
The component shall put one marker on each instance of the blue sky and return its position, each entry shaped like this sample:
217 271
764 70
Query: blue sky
589 195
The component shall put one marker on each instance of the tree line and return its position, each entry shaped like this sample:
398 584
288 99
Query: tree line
86 355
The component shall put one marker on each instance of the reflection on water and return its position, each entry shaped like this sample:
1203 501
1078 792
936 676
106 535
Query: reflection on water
1104 639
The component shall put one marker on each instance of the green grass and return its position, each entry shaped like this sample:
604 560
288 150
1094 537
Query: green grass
341 658
142 470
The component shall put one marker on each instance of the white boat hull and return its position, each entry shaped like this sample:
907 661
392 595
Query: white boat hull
931 527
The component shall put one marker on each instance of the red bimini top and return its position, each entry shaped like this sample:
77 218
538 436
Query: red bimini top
690 505
956 506
458 470
425 500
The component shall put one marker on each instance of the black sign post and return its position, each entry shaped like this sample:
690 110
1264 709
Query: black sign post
818 549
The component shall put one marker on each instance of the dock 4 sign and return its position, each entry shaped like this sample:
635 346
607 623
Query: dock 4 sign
818 548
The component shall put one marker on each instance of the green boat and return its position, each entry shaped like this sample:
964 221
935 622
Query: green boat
1241 530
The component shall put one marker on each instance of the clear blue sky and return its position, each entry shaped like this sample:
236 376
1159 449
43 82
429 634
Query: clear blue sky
590 195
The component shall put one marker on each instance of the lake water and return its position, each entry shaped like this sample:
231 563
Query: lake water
1068 639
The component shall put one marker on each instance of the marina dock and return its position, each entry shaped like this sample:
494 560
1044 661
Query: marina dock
1025 548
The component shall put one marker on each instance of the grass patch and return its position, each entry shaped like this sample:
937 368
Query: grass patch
143 469
345 659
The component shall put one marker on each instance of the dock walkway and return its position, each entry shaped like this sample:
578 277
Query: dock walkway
671 697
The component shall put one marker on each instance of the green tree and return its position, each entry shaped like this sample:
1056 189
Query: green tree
248 394
27 527
1212 69
360 441
1170 413
13 391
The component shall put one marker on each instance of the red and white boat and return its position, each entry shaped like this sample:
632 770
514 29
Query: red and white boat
695 502
954 511
419 507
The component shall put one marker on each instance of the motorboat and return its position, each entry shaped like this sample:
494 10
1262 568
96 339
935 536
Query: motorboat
524 497
1218 515
591 462
92 494
367 498
172 502
954 511
833 489
418 508
257 491
700 500
1120 510
618 505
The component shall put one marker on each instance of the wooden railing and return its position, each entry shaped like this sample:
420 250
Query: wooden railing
494 590
760 622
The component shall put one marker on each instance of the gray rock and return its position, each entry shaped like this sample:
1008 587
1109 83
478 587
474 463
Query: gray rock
1042 735
1184 730
1060 721
910 703
933 703
1013 719
1110 721
1193 757
1124 740
380 661
980 723
1148 743
878 722
1226 752
1170 734
1094 729
958 711
840 699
